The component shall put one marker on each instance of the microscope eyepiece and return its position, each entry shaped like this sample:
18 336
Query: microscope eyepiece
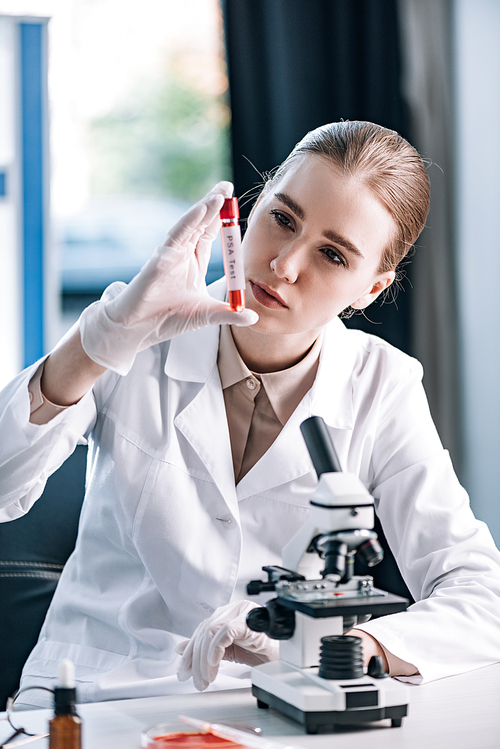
320 445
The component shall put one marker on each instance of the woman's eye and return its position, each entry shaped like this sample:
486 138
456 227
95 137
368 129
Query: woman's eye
281 219
334 256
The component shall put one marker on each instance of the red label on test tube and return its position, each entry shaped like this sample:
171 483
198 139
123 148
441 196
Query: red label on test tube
232 254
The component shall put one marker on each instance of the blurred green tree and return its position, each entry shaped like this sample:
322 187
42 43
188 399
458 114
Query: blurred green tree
165 140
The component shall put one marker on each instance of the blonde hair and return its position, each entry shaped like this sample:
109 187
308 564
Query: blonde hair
387 164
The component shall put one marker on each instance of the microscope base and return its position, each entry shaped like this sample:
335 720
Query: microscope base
299 694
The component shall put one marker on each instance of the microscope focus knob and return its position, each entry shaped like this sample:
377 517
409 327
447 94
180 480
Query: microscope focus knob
376 668
258 619
275 620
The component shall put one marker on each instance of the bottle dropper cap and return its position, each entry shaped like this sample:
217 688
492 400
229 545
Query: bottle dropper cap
65 692
230 210
66 674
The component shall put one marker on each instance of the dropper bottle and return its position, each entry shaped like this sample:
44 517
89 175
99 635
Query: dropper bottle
65 728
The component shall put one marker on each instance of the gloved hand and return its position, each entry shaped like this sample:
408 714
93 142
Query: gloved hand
168 296
223 636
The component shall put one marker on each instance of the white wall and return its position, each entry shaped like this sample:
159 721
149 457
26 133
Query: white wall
477 67
10 249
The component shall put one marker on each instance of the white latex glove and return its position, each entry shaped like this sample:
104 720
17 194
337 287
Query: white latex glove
168 296
223 636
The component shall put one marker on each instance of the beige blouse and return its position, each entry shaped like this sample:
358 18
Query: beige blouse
259 405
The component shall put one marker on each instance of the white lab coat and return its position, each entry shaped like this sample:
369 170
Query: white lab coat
166 537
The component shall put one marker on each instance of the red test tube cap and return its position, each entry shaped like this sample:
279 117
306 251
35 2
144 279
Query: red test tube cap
230 209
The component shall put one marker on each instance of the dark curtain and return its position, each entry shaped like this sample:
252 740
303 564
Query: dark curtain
296 64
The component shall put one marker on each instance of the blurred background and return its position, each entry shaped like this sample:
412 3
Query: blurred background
116 115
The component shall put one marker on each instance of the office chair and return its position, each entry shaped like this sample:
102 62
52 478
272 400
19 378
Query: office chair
33 552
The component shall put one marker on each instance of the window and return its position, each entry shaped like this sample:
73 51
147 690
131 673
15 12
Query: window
138 130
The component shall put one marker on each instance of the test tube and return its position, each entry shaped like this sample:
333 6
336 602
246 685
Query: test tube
232 255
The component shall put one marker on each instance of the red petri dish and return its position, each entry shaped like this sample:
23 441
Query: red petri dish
161 736
193 741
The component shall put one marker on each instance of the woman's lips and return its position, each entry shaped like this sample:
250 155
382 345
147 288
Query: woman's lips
266 296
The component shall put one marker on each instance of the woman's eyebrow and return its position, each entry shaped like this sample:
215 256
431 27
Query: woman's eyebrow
338 239
331 235
290 203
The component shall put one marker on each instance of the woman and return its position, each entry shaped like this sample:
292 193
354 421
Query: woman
197 473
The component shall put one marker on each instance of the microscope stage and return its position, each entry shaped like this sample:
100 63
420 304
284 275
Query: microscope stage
346 603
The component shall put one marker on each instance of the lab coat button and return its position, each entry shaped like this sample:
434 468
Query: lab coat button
251 383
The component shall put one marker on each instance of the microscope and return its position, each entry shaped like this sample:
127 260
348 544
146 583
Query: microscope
319 679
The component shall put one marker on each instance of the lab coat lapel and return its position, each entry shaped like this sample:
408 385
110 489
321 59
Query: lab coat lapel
286 460
332 392
192 359
330 397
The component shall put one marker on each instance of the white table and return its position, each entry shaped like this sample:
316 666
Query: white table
461 712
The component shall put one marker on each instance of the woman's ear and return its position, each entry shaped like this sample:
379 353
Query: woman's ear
381 283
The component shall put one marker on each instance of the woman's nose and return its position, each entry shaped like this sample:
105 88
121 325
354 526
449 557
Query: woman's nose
288 263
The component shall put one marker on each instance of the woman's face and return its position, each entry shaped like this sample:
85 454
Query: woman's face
313 247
